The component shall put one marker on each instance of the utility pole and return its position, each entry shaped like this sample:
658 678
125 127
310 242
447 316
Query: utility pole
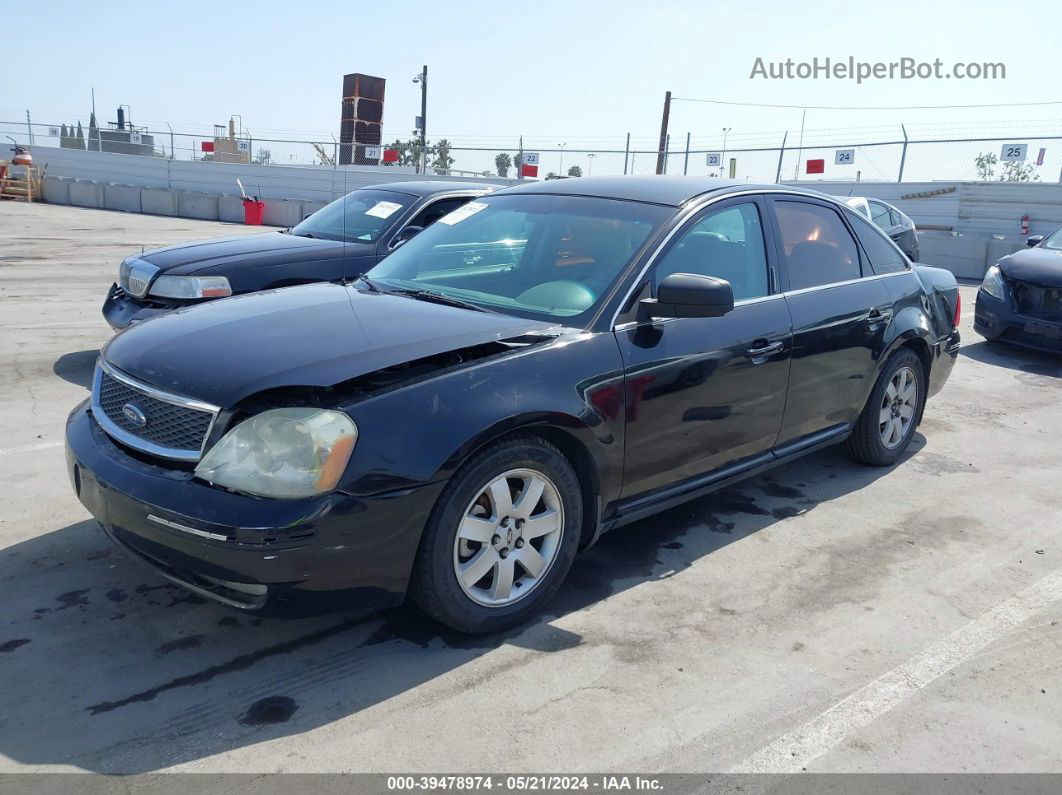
722 157
626 153
800 147
663 134
561 172
422 78
29 127
520 160
686 162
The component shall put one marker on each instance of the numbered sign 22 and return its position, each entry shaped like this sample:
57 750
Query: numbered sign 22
844 157
1014 152
530 159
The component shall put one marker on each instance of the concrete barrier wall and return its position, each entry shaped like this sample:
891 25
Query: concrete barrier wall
122 197
158 201
86 194
56 190
203 206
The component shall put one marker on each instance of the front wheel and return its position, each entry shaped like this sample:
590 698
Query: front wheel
887 423
501 538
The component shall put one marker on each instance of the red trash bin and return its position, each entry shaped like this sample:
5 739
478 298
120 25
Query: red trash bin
253 212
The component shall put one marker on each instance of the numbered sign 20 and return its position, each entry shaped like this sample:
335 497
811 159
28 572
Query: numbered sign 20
844 157
1014 152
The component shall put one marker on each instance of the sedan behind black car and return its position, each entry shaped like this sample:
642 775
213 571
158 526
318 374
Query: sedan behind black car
1020 300
543 364
340 241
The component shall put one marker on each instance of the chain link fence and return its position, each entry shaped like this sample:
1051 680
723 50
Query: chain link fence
1021 157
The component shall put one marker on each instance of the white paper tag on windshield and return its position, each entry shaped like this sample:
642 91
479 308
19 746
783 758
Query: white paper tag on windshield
383 209
462 212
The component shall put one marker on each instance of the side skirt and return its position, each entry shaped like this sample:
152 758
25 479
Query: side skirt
635 508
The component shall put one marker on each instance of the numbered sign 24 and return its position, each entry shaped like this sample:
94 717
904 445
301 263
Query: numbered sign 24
844 157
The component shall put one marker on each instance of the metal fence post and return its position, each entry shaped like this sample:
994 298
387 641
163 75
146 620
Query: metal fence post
686 162
903 154
781 154
626 152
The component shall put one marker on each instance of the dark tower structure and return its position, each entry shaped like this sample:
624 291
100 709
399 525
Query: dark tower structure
361 119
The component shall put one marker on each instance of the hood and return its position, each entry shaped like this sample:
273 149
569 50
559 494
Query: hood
227 254
1038 265
315 335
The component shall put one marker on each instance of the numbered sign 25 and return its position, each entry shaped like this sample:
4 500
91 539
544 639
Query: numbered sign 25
1014 152
844 157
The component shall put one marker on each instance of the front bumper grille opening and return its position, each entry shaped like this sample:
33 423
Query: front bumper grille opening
1036 301
149 420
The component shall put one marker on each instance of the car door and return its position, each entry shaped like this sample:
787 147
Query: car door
839 317
705 392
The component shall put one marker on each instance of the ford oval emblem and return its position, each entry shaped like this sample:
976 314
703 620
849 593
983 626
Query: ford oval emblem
134 414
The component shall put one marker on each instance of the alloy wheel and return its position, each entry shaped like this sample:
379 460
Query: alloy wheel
508 538
898 406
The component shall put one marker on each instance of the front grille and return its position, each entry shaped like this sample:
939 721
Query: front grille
1037 301
135 277
148 419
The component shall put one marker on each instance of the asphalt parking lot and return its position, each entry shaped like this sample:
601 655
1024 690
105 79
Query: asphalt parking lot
826 616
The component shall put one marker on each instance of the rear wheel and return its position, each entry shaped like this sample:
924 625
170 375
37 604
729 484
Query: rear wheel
501 538
887 423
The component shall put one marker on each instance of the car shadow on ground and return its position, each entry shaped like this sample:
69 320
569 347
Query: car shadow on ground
77 368
999 354
106 667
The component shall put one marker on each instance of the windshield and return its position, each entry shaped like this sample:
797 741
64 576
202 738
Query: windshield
529 255
1054 240
363 216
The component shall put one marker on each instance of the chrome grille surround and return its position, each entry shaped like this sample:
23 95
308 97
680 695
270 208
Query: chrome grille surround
176 427
135 275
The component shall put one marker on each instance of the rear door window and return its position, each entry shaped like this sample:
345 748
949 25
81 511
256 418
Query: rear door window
816 245
883 255
879 214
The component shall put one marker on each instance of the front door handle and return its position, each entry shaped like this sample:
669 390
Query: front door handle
759 355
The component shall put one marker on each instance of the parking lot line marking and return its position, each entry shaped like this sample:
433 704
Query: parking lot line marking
29 448
792 751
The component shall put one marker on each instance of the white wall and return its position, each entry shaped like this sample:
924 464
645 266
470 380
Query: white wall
316 183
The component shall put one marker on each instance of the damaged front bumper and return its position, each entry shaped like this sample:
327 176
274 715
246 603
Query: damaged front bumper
332 552
996 319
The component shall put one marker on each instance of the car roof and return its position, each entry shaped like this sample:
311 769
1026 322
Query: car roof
672 191
428 187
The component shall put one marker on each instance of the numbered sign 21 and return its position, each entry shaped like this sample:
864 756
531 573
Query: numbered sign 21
844 157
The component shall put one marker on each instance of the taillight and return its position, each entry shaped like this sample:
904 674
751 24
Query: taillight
958 310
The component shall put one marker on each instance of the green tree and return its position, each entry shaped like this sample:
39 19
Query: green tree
1017 171
263 158
442 161
986 162
575 171
502 162
79 139
64 137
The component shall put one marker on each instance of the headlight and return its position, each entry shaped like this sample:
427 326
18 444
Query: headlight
993 283
284 453
191 287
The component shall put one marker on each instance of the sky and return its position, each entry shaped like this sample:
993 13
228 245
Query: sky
582 74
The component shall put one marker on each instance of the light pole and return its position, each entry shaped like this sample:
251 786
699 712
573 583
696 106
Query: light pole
561 174
590 164
422 78
722 158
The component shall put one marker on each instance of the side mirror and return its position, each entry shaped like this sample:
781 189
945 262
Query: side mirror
690 295
306 216
405 235
1034 240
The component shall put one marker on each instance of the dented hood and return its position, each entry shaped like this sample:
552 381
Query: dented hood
1038 265
315 335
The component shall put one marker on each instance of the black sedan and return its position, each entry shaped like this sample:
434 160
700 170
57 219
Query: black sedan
541 365
341 240
1020 300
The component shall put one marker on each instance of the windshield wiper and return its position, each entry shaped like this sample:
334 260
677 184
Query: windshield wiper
373 287
438 298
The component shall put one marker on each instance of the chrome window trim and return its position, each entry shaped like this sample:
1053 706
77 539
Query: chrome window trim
137 443
697 205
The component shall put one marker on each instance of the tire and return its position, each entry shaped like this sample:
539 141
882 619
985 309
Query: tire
876 439
467 532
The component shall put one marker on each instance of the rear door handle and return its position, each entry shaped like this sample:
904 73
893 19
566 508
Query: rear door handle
759 355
